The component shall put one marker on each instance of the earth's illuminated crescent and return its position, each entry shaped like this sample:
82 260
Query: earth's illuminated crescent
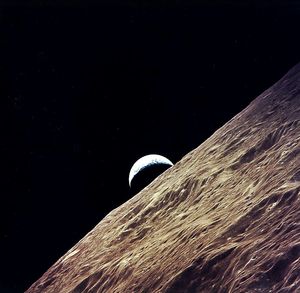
145 162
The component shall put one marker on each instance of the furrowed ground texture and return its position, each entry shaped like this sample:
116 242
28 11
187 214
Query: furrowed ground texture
223 219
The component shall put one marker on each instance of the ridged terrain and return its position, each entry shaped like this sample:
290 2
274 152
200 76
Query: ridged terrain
223 219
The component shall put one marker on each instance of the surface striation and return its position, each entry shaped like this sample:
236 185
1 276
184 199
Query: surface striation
223 219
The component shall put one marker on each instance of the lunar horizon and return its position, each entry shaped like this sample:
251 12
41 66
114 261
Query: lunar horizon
225 218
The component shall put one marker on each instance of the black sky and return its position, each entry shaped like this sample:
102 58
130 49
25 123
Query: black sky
89 87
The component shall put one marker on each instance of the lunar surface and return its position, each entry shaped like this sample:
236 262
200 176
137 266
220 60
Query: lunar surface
225 218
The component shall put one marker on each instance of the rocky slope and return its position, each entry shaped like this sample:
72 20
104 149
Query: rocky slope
223 219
